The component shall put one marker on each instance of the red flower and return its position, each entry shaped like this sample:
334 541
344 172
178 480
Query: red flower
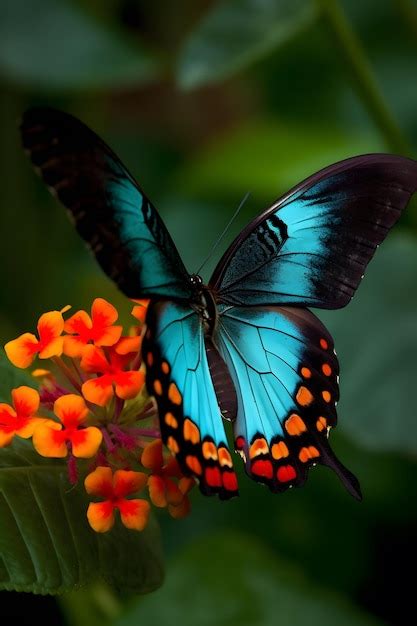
112 377
97 329
114 489
163 491
51 439
19 419
22 351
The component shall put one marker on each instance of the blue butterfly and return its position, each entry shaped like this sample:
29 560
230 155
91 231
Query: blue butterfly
245 347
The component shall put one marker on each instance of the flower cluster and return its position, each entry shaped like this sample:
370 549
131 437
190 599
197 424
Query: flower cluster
92 404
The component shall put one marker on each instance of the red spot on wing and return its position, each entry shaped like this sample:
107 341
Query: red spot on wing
286 473
262 468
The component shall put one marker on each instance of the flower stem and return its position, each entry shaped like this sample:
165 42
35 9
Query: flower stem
59 362
363 76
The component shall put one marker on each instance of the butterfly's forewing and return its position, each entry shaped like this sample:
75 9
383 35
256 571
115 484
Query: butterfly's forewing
285 372
178 376
110 211
312 246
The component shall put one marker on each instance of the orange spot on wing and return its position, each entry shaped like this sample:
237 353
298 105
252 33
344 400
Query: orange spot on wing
259 446
279 450
149 359
157 387
209 450
324 344
165 367
306 372
326 369
191 431
170 420
172 445
308 453
321 424
225 458
286 473
173 394
327 396
304 396
194 464
295 425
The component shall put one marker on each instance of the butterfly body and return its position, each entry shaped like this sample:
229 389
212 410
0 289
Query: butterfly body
245 347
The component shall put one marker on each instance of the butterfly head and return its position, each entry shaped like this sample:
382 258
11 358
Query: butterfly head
196 281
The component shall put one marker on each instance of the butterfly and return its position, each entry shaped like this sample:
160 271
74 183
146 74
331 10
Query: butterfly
245 347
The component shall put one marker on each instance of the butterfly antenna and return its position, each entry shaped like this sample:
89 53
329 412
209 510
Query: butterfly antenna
229 223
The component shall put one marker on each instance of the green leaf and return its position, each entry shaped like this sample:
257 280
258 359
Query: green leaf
53 44
46 544
268 158
236 33
376 341
233 579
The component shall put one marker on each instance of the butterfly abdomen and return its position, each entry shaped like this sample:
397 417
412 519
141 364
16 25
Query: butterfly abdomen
222 382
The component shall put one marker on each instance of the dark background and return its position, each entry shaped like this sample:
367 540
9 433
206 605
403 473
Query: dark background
205 101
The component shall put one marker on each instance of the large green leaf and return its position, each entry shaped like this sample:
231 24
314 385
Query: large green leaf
46 544
53 44
376 341
232 579
235 33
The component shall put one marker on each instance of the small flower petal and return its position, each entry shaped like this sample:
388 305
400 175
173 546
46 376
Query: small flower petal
49 440
127 482
100 516
129 345
180 511
6 438
100 482
21 351
139 311
129 384
73 346
152 457
98 390
109 336
94 360
54 348
85 442
25 400
50 326
71 410
134 513
103 313
156 486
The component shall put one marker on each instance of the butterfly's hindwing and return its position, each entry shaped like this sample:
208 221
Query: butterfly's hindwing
178 376
285 371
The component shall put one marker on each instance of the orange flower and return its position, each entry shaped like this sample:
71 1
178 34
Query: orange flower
113 489
52 439
139 311
163 491
111 376
22 351
19 419
97 329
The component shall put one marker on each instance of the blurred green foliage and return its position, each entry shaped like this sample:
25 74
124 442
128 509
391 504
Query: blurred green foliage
205 100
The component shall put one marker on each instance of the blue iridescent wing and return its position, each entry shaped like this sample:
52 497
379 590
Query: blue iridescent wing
110 211
285 372
178 375
312 246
